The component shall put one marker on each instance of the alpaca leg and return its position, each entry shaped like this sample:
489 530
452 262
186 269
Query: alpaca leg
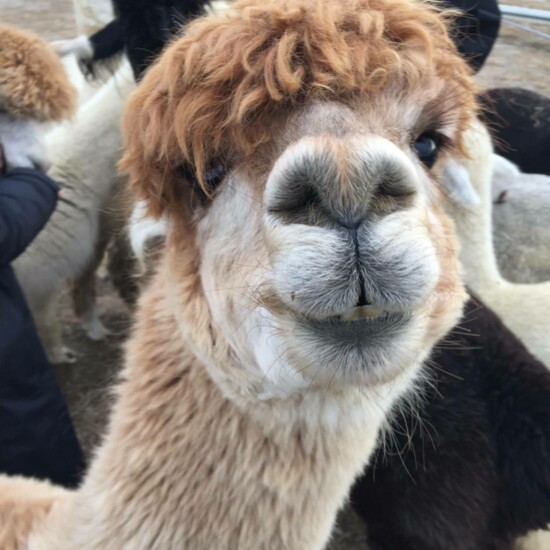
83 291
24 505
122 268
49 329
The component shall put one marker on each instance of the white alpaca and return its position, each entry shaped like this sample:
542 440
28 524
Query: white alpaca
84 156
294 303
524 308
521 206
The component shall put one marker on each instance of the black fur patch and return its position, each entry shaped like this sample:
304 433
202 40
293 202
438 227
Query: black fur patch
141 29
520 121
475 474
148 26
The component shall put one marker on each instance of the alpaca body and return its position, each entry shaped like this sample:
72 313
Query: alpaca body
521 203
141 29
84 157
522 307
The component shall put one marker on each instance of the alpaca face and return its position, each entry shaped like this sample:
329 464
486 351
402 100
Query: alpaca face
320 250
327 260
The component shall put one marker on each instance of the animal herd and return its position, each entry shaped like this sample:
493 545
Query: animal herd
340 292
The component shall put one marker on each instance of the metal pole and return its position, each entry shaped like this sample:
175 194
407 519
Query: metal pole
525 13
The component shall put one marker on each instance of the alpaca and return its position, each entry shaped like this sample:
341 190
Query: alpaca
141 29
522 307
467 468
521 203
34 92
73 242
309 269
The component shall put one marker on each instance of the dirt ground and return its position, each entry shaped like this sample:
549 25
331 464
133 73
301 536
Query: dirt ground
518 59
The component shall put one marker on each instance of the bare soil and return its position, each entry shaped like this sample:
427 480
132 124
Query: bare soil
518 59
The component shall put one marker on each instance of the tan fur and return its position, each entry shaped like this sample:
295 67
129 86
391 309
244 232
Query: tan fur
233 428
33 83
24 504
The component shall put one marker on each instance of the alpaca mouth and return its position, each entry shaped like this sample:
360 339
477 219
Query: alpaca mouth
357 313
358 327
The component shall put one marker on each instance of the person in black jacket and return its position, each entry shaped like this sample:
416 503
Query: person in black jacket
36 433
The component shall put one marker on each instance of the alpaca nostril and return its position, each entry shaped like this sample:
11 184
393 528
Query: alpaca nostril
290 198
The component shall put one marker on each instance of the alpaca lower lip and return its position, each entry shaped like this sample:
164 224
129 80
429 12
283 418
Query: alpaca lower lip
358 331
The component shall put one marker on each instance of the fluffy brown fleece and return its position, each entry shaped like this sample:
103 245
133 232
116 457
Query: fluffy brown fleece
33 83
216 86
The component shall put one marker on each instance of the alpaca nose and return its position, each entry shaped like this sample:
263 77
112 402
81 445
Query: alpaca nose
343 182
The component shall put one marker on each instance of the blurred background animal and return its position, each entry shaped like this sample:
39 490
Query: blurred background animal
521 205
522 307
34 92
140 30
84 155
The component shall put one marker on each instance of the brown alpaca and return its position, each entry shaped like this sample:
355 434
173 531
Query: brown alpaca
308 271
33 83
34 89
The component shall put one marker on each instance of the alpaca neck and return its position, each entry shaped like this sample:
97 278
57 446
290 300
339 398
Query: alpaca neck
185 467
474 225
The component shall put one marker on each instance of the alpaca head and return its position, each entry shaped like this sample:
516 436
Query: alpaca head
289 144
34 90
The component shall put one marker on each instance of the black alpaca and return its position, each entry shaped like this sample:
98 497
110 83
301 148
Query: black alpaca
475 475
520 121
141 29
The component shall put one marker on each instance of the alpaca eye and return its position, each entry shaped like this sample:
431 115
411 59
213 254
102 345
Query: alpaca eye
214 175
427 147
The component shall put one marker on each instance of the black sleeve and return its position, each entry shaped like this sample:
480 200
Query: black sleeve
27 199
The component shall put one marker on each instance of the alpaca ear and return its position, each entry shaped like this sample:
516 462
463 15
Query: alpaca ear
457 185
